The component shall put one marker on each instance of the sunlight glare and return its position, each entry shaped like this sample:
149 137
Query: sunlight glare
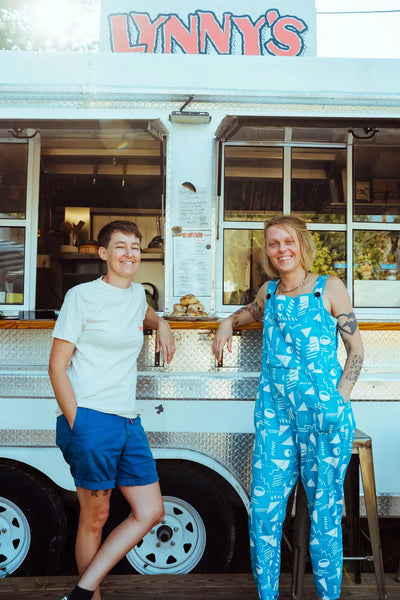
64 20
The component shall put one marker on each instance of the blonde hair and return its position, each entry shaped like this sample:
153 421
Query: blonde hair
306 242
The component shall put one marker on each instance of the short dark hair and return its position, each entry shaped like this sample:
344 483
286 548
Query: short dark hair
128 227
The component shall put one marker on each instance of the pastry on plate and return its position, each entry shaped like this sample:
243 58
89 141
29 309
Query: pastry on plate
188 299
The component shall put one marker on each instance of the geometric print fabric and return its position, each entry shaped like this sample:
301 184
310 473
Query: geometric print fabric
303 427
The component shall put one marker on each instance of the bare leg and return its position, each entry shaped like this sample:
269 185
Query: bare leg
94 510
147 510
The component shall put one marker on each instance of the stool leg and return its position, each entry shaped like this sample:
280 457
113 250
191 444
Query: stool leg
368 479
351 490
301 539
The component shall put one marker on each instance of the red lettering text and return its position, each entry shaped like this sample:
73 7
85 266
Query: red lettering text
185 37
167 34
250 33
211 30
147 29
119 35
285 31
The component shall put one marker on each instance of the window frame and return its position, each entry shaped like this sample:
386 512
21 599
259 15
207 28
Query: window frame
29 223
349 226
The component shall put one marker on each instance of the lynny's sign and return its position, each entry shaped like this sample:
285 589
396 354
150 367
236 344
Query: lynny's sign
270 28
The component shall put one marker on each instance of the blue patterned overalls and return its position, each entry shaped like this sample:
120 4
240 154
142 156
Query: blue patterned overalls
302 426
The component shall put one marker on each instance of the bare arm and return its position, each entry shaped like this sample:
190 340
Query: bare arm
60 356
165 340
348 328
245 315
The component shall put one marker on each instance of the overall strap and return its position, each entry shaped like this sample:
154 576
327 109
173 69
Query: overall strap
271 289
320 285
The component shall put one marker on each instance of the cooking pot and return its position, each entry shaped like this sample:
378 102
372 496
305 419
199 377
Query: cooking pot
151 294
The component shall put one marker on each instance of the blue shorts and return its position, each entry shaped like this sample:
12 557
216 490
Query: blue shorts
105 451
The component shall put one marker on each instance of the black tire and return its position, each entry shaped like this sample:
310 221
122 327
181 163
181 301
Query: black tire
191 499
32 522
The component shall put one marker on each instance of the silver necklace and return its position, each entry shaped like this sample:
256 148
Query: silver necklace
284 290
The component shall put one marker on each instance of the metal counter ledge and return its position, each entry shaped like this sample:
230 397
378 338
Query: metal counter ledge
49 324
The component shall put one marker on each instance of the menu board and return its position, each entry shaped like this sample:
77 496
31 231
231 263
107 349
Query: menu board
194 209
192 263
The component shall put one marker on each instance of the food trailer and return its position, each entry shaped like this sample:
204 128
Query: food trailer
198 126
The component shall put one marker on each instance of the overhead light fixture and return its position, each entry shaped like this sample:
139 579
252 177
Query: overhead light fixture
193 117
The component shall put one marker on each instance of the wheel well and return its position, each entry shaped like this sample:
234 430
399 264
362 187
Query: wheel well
65 495
220 482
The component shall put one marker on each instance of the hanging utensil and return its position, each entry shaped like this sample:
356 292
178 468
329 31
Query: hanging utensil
157 241
151 294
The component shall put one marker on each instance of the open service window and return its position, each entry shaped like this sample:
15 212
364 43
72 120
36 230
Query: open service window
87 173
342 177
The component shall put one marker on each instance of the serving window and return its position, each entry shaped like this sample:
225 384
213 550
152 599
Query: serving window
91 174
60 181
343 181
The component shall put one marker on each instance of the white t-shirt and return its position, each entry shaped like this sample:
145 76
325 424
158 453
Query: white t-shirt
105 323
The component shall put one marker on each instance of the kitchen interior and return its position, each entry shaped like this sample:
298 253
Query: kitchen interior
92 174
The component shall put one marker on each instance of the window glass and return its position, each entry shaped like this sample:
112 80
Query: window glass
253 188
330 258
376 268
319 134
377 184
12 250
259 134
243 270
243 261
318 180
13 169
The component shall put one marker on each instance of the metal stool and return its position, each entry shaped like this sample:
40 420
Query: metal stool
361 461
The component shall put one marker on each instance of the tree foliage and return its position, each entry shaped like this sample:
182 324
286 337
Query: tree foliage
19 31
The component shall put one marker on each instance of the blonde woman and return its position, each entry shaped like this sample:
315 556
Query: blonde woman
303 417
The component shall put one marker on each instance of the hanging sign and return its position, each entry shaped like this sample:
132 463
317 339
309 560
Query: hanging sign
192 263
269 28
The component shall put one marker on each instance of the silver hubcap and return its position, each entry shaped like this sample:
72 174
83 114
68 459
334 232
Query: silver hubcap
174 546
15 537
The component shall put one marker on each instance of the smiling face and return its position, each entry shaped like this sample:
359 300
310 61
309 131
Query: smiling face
122 256
282 246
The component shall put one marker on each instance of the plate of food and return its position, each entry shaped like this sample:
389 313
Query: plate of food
189 309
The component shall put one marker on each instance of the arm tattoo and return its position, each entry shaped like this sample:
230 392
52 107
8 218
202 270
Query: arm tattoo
254 309
347 323
354 368
237 313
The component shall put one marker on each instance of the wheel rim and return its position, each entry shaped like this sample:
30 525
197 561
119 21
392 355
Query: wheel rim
174 546
15 537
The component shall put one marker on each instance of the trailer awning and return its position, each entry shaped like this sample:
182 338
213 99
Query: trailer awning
268 129
82 129
91 147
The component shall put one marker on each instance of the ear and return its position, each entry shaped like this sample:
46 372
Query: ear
102 253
